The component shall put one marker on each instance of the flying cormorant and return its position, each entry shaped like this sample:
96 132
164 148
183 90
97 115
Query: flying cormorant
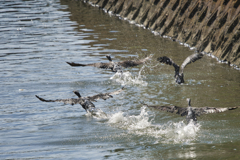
179 75
114 66
85 102
191 112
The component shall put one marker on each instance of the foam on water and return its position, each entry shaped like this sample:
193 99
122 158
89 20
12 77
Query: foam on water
133 122
142 124
97 113
126 78
179 132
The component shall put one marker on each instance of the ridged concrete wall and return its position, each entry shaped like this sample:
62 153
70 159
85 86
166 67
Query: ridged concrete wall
211 26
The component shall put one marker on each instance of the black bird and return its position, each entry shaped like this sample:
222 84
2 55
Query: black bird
191 112
179 75
85 102
114 66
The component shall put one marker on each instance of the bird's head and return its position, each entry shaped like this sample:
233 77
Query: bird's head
109 58
77 93
189 102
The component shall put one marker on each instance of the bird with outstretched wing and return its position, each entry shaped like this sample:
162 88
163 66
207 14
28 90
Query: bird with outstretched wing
85 102
179 70
114 66
191 112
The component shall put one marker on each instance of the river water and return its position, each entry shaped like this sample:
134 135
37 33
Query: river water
38 37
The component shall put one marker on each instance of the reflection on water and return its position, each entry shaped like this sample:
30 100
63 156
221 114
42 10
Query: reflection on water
38 37
188 154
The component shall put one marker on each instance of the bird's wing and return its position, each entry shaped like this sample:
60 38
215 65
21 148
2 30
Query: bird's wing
132 63
190 59
103 95
71 101
197 110
169 61
172 109
98 65
116 92
207 110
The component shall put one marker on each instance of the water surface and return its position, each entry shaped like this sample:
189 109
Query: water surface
38 37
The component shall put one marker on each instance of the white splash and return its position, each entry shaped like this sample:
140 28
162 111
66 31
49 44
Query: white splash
97 113
180 132
142 124
140 121
126 78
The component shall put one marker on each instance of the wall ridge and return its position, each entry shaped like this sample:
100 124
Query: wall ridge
210 26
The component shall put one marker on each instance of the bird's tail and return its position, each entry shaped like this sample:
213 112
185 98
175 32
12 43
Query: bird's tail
76 64
44 100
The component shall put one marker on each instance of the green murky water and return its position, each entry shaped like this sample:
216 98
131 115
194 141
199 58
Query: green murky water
39 37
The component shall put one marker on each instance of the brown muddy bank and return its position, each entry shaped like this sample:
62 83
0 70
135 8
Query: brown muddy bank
209 26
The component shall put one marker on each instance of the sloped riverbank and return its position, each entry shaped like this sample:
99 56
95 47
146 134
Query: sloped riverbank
208 26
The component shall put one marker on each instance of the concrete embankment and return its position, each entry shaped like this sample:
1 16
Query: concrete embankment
211 26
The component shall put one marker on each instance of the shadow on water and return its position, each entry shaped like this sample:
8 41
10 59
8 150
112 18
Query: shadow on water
38 37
